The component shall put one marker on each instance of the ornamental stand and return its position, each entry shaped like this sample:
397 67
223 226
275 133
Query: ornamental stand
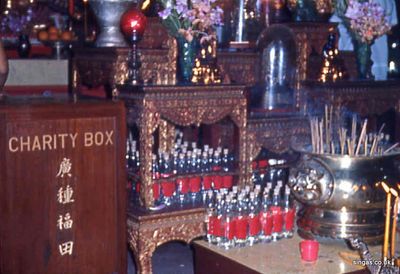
153 107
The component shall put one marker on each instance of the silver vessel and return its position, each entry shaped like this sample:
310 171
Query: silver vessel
108 14
342 195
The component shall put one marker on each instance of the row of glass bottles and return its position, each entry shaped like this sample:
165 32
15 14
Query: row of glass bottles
250 216
269 170
185 159
186 177
184 174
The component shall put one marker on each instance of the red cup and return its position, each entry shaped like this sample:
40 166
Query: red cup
309 250
207 180
183 185
217 182
227 181
195 184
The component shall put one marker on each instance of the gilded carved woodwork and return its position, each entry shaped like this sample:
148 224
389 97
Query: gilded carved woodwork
166 135
324 6
302 61
276 134
147 232
241 67
183 106
363 97
172 59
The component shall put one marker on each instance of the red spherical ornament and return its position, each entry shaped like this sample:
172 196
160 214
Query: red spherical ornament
133 20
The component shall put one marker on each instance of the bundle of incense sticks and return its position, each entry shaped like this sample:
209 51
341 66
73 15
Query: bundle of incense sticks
356 142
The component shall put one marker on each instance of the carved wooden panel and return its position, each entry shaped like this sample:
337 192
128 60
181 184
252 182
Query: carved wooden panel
148 231
275 133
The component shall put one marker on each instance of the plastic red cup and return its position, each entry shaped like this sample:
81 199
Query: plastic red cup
309 250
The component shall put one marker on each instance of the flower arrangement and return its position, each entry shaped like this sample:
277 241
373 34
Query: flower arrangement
365 19
17 22
191 18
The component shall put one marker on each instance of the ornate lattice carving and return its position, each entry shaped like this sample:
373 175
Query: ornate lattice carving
146 233
275 134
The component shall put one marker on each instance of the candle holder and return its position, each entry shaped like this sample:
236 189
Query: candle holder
133 24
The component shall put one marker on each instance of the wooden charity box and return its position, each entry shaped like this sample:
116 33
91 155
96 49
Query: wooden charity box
62 187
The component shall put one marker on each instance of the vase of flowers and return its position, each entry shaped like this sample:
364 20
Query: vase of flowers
365 21
192 23
19 23
362 51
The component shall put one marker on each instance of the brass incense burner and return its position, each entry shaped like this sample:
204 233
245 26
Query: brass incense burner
341 194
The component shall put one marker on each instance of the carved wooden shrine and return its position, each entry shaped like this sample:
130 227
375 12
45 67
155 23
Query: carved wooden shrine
184 106
163 107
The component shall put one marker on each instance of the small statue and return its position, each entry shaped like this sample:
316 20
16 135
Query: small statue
206 70
332 69
382 268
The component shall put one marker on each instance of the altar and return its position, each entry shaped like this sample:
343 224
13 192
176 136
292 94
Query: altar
203 153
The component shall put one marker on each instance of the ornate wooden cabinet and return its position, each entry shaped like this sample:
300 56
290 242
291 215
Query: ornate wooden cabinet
163 107
151 106
62 187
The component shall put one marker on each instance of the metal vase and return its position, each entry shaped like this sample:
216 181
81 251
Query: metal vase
342 196
108 14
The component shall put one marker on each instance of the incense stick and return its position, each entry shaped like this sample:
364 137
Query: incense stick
344 141
391 148
363 132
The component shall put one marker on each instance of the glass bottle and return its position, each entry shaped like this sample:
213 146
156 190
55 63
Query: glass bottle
155 176
128 155
277 216
195 179
225 161
167 184
288 215
218 229
182 181
210 156
188 161
228 224
205 170
211 217
254 220
227 179
266 219
272 172
241 222
137 156
216 167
